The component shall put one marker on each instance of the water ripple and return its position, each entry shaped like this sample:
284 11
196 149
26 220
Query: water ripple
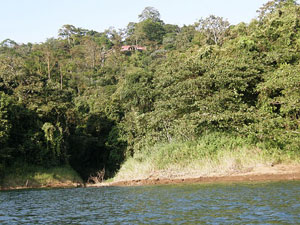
253 203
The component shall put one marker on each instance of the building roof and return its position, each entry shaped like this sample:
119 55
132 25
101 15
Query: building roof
133 48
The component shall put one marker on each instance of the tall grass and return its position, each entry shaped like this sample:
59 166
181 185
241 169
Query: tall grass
214 153
22 175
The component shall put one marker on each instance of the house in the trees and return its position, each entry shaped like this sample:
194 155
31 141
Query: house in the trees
131 48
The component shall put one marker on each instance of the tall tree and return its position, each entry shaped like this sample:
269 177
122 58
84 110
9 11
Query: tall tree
49 49
273 5
150 13
214 28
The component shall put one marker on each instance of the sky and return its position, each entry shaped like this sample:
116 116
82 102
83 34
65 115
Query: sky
36 20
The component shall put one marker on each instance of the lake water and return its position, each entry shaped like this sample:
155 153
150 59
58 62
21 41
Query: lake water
243 203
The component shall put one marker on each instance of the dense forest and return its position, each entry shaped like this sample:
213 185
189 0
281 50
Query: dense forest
92 99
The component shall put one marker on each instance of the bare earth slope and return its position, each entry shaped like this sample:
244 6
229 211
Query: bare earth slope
262 173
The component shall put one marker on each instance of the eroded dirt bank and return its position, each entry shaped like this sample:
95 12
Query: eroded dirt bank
259 174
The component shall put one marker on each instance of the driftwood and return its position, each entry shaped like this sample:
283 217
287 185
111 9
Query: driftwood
98 177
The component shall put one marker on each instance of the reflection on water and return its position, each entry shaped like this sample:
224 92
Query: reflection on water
252 203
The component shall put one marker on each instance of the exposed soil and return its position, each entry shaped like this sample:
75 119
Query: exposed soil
257 174
262 173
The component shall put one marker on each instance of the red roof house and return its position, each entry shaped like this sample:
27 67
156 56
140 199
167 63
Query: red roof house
130 48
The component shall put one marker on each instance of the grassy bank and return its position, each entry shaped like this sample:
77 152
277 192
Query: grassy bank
212 154
29 176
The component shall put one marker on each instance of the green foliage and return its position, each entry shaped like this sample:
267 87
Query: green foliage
149 32
4 123
27 175
5 127
54 138
150 13
214 29
207 146
80 100
211 153
137 90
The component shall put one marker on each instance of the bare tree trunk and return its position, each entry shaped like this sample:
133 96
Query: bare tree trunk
169 137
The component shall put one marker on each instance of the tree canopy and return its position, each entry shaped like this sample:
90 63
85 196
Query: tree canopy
79 100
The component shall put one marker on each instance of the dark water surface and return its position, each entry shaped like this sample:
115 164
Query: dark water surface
246 203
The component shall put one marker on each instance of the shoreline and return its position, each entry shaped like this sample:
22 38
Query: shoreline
270 173
217 179
259 174
50 186
34 177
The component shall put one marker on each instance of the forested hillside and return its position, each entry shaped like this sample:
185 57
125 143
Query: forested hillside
82 99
